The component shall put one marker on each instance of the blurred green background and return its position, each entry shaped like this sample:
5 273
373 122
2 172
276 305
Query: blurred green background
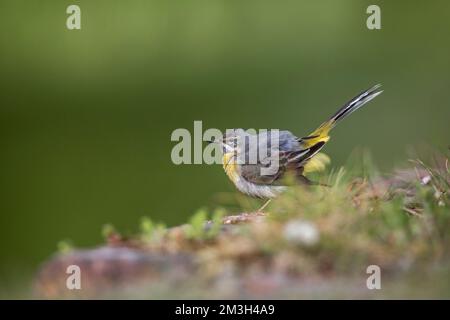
86 115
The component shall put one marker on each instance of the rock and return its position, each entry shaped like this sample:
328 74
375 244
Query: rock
108 268
301 232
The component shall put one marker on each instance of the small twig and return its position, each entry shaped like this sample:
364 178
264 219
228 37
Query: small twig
413 212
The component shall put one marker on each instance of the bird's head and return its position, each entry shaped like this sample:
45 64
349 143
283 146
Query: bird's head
231 140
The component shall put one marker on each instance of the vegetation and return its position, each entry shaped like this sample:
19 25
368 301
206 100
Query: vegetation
399 222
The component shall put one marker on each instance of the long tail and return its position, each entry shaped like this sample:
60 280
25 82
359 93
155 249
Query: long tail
321 134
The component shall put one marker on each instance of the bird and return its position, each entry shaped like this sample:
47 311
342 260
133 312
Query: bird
294 155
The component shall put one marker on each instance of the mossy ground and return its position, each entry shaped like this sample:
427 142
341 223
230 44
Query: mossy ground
313 242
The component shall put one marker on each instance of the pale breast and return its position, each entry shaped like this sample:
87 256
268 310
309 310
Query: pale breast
255 190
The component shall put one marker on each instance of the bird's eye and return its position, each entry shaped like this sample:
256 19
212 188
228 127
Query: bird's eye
235 142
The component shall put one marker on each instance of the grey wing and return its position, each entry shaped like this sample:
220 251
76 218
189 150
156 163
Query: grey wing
296 152
288 153
256 173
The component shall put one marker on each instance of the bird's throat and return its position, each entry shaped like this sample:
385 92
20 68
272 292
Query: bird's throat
230 165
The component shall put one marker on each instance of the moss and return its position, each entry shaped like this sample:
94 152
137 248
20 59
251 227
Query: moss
399 222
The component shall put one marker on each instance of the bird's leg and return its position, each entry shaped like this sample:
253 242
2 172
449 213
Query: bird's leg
264 205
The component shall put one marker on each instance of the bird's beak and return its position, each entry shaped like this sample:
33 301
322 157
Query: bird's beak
225 148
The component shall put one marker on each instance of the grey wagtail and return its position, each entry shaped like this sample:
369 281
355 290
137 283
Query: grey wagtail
295 155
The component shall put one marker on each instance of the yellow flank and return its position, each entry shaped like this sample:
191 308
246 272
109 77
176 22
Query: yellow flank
321 133
317 163
230 166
